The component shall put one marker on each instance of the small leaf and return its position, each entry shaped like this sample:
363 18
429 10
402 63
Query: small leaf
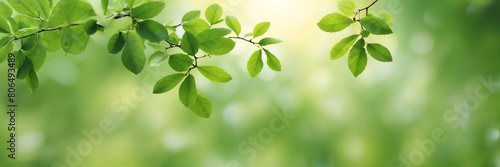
188 92
32 8
68 12
152 31
157 58
272 61
168 83
24 70
133 53
196 26
379 52
248 34
215 74
189 44
148 10
90 26
51 40
386 17
375 25
74 39
32 81
341 48
213 42
260 29
233 24
365 33
116 43
180 62
5 10
4 51
202 107
334 22
269 41
357 58
191 16
104 4
213 14
255 64
8 25
347 7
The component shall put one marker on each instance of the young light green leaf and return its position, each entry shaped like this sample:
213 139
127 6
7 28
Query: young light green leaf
341 48
133 53
386 17
260 29
213 42
69 12
148 10
4 51
157 58
152 31
74 39
36 55
5 10
272 61
202 107
51 40
116 43
24 70
248 34
357 58
32 8
191 16
188 92
32 81
233 24
269 41
255 64
168 83
375 25
8 25
379 52
213 14
215 74
26 22
180 62
196 26
347 7
189 44
104 5
334 22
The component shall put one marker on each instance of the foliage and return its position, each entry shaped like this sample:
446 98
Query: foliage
42 27
376 25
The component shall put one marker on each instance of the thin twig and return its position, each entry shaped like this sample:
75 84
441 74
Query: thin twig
248 40
40 31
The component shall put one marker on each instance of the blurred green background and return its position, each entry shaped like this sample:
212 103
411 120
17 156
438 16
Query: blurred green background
386 117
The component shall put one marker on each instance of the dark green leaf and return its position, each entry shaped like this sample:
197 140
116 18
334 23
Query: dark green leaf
191 16
341 48
357 58
196 26
233 24
269 41
133 53
116 43
152 31
74 39
148 10
36 55
215 74
272 61
180 62
24 70
20 58
90 26
188 92
168 83
32 8
202 107
70 11
213 14
379 52
157 58
32 81
5 10
213 41
347 7
260 29
365 33
189 44
255 64
375 25
334 22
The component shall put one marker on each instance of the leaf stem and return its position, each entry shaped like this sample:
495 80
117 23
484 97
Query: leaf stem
247 40
358 13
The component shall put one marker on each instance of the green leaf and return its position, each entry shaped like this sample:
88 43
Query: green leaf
379 52
248 34
27 31
215 74
365 33
260 29
180 62
191 16
233 24
24 70
213 13
357 58
269 41
8 25
196 26
255 64
5 10
74 39
188 92
26 22
386 17
347 7
341 48
4 51
133 53
157 58
32 81
334 22
168 83
189 44
20 58
37 56
174 38
202 107
116 43
104 4
375 25
148 10
152 31
32 8
272 61
69 12
90 26
213 41
51 40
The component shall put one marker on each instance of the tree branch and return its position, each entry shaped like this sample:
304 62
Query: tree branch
247 40
40 31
